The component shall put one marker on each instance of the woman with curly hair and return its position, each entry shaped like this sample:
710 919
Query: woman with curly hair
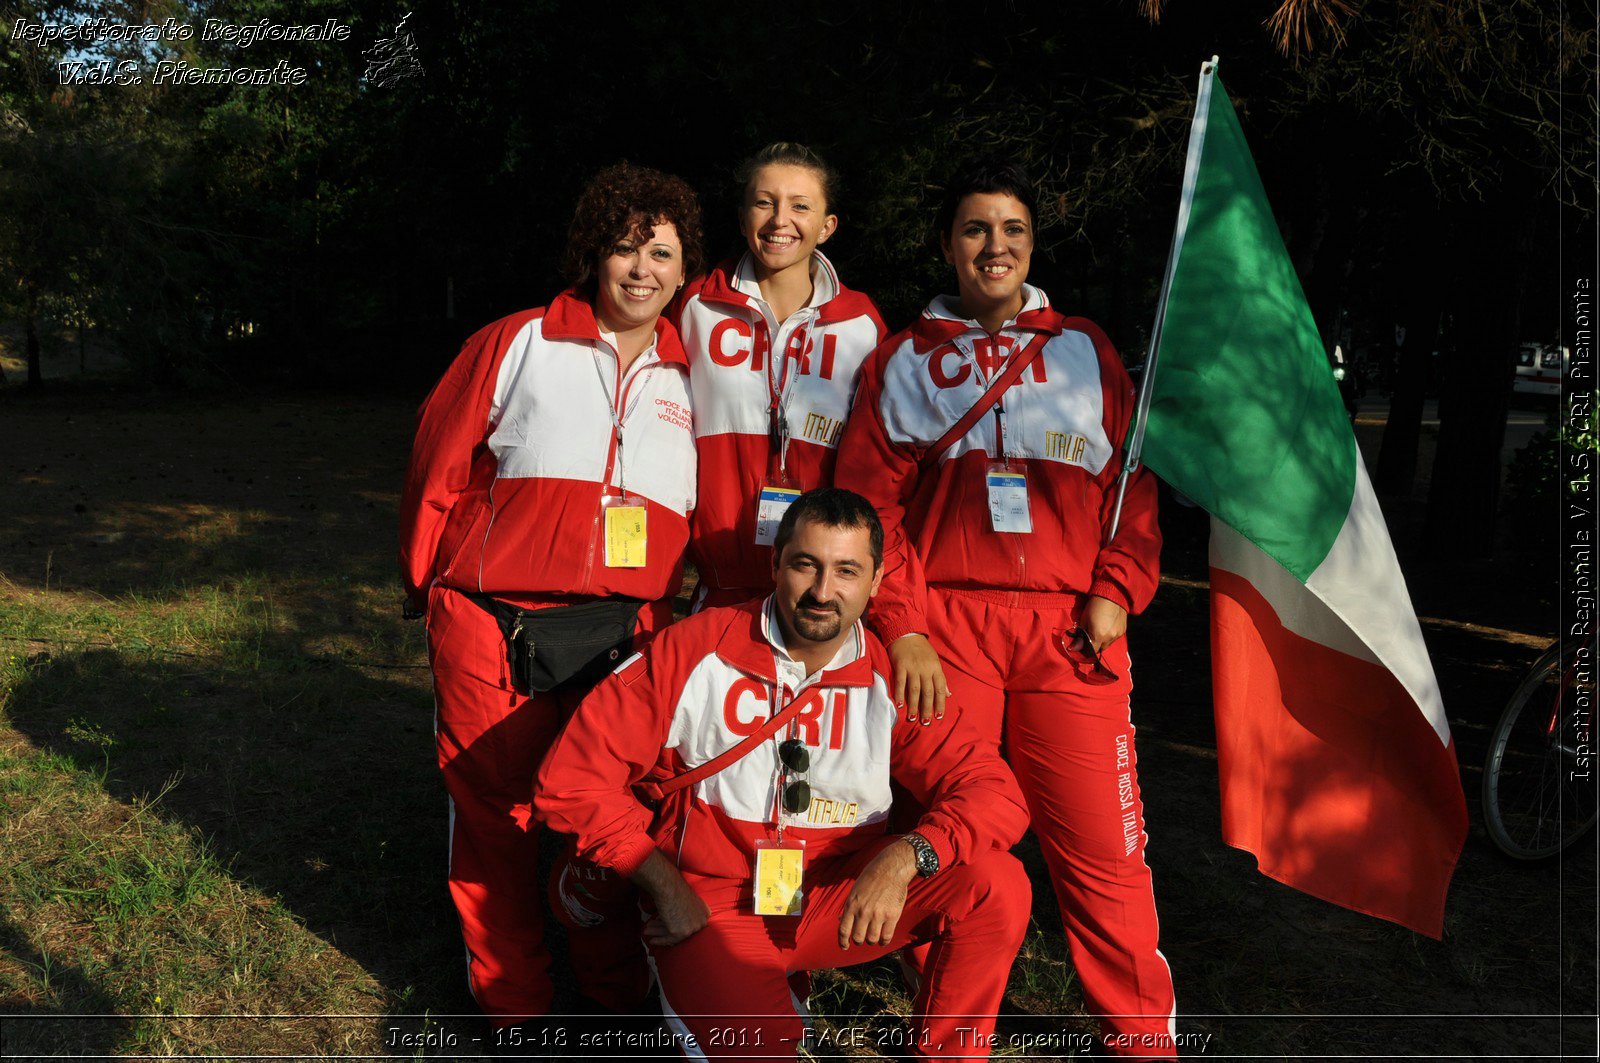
543 525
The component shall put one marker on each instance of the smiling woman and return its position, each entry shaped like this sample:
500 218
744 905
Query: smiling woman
635 282
626 253
988 238
989 435
542 531
776 341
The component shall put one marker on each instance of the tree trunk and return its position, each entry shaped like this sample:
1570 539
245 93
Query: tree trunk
1324 255
35 370
1475 383
1402 432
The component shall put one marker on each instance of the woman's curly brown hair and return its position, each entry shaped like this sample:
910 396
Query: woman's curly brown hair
624 202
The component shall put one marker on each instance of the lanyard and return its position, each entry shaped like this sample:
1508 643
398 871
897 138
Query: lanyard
1000 408
778 390
984 380
612 403
780 691
1000 429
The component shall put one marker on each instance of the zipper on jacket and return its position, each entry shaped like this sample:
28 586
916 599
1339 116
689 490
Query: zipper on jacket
483 546
1019 540
625 389
801 322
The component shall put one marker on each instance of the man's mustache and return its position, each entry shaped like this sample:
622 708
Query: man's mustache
808 602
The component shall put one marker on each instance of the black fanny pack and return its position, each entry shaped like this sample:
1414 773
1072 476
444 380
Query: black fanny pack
564 646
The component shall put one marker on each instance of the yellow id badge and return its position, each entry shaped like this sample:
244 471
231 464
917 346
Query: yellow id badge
779 868
625 531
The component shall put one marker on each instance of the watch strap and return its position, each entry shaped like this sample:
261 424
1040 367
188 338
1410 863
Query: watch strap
927 859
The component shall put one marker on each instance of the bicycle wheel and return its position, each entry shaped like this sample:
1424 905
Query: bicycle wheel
1537 797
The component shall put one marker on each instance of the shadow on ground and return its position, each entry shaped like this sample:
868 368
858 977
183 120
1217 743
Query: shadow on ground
305 752
64 1026
316 786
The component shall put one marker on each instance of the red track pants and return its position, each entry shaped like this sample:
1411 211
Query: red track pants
728 986
1071 746
490 740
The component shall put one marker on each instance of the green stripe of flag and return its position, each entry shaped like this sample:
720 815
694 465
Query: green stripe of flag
1246 418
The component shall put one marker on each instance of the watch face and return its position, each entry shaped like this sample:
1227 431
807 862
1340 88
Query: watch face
927 859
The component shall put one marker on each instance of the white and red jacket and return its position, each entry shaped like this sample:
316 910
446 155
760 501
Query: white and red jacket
516 445
1065 420
741 362
708 682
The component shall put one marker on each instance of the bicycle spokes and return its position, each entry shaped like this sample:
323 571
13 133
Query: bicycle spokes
1539 784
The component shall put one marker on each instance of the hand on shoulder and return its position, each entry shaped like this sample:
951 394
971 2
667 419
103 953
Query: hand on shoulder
919 684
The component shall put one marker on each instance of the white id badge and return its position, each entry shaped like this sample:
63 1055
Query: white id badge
774 501
1008 499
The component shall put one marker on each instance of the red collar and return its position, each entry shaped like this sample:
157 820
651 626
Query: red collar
571 317
744 645
718 287
928 331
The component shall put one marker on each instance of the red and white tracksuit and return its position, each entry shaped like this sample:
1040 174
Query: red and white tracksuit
991 603
701 687
745 368
515 448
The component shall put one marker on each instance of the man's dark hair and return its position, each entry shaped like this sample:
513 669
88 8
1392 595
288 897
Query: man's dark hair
833 507
1007 179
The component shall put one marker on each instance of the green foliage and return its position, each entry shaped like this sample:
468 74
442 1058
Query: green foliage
316 228
1542 474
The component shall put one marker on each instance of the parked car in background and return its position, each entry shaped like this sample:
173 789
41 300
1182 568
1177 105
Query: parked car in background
1540 367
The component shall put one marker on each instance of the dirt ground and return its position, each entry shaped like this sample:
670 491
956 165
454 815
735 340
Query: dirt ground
94 480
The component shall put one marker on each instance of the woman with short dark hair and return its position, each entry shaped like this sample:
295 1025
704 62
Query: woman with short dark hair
989 437
543 525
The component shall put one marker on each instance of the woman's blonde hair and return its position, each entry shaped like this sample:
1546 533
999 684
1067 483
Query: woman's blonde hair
788 153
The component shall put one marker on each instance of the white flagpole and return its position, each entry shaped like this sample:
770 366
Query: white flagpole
1191 174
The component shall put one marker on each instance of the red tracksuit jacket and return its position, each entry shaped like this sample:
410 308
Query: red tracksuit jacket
514 444
737 355
707 682
1065 421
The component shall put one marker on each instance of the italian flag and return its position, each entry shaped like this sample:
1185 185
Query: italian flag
1337 767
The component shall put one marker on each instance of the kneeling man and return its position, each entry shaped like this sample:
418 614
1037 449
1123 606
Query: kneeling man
770 853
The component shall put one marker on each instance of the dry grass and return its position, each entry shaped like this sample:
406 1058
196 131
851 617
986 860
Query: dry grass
211 790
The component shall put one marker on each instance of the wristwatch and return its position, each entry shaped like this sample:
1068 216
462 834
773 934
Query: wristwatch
927 859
